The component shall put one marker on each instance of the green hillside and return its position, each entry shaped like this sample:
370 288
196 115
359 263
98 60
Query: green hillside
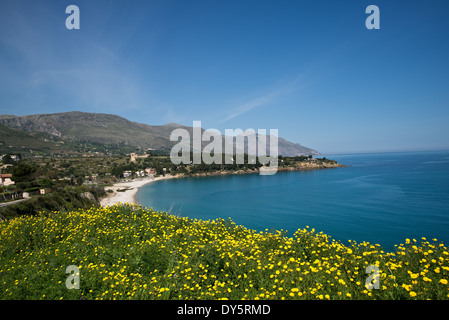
15 141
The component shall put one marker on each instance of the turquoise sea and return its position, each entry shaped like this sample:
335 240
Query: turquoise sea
380 198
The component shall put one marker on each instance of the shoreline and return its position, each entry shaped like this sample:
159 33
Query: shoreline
129 189
125 192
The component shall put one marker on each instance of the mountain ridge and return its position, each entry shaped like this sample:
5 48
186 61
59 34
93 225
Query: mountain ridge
114 130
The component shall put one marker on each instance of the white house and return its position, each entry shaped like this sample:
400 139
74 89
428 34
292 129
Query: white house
45 190
5 179
140 173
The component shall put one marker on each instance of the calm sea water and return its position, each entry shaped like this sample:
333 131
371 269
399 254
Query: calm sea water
380 198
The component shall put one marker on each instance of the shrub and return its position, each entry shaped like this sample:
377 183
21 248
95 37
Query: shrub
130 252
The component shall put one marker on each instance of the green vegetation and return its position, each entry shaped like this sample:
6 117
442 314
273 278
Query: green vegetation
63 200
12 141
36 143
60 171
130 252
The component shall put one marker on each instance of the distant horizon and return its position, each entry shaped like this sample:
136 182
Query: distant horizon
385 151
305 145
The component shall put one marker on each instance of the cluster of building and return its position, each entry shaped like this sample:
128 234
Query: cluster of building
148 172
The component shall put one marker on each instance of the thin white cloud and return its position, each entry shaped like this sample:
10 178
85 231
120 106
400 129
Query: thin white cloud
261 100
245 107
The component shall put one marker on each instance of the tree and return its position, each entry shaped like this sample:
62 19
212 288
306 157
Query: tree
23 172
117 171
45 182
79 181
7 159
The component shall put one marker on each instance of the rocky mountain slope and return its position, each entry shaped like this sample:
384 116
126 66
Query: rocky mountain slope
75 127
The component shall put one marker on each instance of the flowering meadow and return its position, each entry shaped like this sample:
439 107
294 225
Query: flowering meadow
130 252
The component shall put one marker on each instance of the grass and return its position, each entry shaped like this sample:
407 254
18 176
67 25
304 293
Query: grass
130 252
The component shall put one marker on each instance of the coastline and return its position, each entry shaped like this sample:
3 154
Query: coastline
125 192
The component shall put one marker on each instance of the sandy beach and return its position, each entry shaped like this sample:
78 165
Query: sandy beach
125 192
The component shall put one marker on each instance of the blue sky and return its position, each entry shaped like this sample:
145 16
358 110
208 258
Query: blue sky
310 69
